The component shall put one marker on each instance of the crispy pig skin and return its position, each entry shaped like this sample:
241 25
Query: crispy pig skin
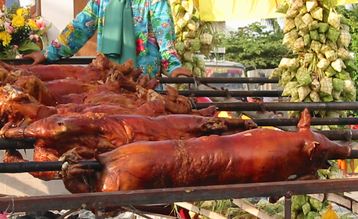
258 155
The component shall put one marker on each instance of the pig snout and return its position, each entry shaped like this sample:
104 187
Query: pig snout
331 150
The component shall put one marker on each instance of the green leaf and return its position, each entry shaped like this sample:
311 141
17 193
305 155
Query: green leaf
28 47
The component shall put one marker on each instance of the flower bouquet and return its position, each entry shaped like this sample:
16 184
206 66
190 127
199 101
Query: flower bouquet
20 33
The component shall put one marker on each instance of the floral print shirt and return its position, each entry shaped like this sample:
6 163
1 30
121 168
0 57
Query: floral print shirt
153 26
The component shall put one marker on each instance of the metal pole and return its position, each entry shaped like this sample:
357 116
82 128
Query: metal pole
314 121
280 106
170 195
24 167
224 93
16 143
343 135
217 80
288 203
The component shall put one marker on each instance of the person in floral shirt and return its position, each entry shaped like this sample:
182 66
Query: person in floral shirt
153 31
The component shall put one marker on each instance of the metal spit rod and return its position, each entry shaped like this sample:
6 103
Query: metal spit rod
32 166
250 80
228 93
342 135
171 195
280 106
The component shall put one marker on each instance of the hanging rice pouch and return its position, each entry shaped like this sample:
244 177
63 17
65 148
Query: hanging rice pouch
338 84
195 45
333 45
315 85
298 21
289 25
344 75
290 88
325 48
338 65
188 56
344 54
322 38
313 25
317 13
334 19
314 96
285 78
276 73
348 86
323 27
291 64
282 8
327 98
298 45
316 46
303 76
314 35
326 86
180 47
337 95
310 5
188 65
330 72
331 55
345 38
333 34
294 96
297 4
323 64
303 92
307 19
291 13
302 10
289 38
349 90
307 39
308 58
197 72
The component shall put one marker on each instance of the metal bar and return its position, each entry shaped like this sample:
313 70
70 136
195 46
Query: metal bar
314 121
24 167
69 61
170 195
288 203
280 106
251 80
343 135
224 93
16 143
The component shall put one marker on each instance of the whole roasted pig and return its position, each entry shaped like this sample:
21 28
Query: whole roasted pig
257 155
84 135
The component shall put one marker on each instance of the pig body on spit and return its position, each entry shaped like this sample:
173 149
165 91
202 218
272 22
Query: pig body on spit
258 155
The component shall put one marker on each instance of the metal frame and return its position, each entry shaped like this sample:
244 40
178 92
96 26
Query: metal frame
280 106
171 195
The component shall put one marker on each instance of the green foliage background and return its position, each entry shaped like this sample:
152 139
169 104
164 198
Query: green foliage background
255 45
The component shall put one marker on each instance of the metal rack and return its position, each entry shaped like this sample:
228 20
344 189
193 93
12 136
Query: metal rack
158 196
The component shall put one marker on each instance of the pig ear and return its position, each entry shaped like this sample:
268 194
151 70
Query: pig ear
305 120
310 147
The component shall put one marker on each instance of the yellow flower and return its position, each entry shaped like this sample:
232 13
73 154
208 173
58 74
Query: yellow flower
32 24
18 21
5 37
22 12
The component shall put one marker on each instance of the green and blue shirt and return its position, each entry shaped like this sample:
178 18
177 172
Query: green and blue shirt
153 27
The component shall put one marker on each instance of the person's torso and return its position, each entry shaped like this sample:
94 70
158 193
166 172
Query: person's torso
148 55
